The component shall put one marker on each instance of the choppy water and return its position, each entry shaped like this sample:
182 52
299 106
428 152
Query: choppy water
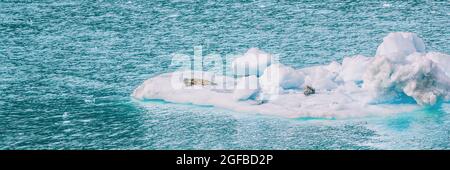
68 68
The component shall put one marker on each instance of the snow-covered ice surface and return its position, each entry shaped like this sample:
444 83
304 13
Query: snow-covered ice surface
401 77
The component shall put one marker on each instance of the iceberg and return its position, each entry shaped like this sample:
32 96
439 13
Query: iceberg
401 77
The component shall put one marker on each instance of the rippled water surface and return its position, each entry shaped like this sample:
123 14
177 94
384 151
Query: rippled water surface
67 69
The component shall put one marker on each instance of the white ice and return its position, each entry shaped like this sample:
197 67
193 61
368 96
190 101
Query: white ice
253 62
359 86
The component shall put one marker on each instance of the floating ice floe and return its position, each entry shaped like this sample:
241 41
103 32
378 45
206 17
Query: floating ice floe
401 77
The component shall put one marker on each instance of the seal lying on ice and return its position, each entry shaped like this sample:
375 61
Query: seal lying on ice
195 82
309 90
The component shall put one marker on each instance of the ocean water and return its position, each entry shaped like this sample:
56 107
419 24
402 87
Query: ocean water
67 69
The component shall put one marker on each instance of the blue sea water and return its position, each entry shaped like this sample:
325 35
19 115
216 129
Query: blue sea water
67 69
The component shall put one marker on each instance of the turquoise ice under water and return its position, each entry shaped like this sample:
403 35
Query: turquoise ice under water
68 68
